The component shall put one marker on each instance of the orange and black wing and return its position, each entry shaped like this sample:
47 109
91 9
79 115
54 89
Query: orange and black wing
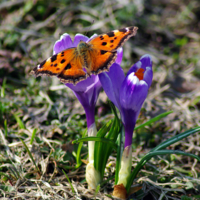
73 72
113 40
66 65
106 46
101 61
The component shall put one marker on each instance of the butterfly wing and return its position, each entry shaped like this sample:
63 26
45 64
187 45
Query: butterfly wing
106 46
73 72
113 40
101 60
66 65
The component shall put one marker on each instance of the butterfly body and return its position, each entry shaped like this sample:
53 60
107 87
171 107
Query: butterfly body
94 56
85 53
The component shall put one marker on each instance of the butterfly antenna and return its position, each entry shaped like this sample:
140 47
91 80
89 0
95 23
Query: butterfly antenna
89 28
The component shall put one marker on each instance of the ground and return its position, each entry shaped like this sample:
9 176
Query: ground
40 117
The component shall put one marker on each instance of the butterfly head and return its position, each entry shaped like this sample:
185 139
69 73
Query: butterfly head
82 47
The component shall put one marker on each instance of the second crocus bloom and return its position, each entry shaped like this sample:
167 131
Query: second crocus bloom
128 94
133 92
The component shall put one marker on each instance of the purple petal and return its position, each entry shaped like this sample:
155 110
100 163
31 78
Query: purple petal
146 61
83 85
88 105
79 37
133 93
129 121
63 43
148 76
87 92
92 37
111 82
119 56
134 68
147 66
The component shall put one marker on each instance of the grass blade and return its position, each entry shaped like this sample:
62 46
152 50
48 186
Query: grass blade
155 119
33 136
69 182
103 149
78 154
102 132
3 88
5 128
96 139
19 121
29 153
148 156
119 153
175 139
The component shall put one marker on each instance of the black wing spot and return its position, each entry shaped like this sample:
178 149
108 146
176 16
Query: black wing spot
111 41
62 61
101 37
53 58
123 30
103 52
68 66
55 65
57 69
104 43
110 34
115 38
111 46
51 65
42 63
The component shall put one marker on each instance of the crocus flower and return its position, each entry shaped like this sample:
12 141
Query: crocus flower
87 92
128 94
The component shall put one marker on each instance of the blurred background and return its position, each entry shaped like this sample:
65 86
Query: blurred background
168 30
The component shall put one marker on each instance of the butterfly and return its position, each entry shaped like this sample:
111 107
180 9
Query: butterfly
95 56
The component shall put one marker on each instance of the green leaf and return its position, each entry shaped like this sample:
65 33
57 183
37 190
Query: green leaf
19 121
33 136
113 109
5 128
3 88
78 154
189 185
175 139
155 119
186 198
6 175
181 41
7 188
119 153
102 132
69 182
29 153
103 150
148 156
97 189
96 139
